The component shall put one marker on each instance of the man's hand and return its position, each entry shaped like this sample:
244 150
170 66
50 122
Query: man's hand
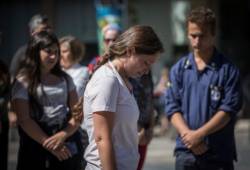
191 138
200 149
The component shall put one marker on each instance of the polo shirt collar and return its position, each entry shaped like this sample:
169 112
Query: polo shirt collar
213 64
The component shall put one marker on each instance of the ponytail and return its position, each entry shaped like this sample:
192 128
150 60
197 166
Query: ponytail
103 60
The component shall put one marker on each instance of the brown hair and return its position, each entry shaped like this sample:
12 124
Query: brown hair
142 38
76 47
204 17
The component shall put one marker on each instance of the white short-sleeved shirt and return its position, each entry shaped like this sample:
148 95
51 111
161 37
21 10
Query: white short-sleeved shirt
80 77
54 100
106 91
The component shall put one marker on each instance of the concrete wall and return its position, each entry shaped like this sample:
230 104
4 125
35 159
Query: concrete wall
76 18
156 14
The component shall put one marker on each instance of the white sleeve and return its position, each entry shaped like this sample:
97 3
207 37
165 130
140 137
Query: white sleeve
105 93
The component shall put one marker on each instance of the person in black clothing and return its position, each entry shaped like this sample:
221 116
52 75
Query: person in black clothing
143 92
4 124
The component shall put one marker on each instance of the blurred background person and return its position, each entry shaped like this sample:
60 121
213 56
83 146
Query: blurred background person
246 96
143 92
72 52
4 124
159 100
37 23
110 33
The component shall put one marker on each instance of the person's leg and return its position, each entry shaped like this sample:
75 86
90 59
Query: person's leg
216 165
185 161
142 152
210 161
228 166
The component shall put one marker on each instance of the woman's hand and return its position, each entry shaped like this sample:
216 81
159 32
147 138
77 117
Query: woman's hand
62 153
56 141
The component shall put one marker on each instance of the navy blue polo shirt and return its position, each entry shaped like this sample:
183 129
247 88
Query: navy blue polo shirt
198 95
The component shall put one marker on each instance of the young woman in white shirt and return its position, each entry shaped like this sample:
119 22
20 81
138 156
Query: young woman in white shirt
110 110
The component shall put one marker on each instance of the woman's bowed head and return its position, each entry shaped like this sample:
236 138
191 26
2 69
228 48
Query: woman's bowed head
136 49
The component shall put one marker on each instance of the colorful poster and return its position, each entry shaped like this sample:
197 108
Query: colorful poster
106 14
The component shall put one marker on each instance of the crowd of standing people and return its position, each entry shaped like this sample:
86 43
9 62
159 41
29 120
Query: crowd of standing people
101 116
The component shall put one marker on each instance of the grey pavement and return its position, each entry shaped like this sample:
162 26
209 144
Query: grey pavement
160 152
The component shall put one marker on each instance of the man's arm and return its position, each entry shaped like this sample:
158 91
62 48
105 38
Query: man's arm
16 61
216 123
179 123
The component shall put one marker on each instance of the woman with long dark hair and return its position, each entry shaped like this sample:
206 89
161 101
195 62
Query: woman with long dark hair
43 97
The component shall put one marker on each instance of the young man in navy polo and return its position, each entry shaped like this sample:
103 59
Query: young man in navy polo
203 99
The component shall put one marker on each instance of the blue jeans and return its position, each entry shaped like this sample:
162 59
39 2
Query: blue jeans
188 161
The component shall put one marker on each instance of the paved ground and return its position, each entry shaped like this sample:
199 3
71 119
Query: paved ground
160 153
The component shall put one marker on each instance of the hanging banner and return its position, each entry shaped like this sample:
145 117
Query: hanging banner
106 14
